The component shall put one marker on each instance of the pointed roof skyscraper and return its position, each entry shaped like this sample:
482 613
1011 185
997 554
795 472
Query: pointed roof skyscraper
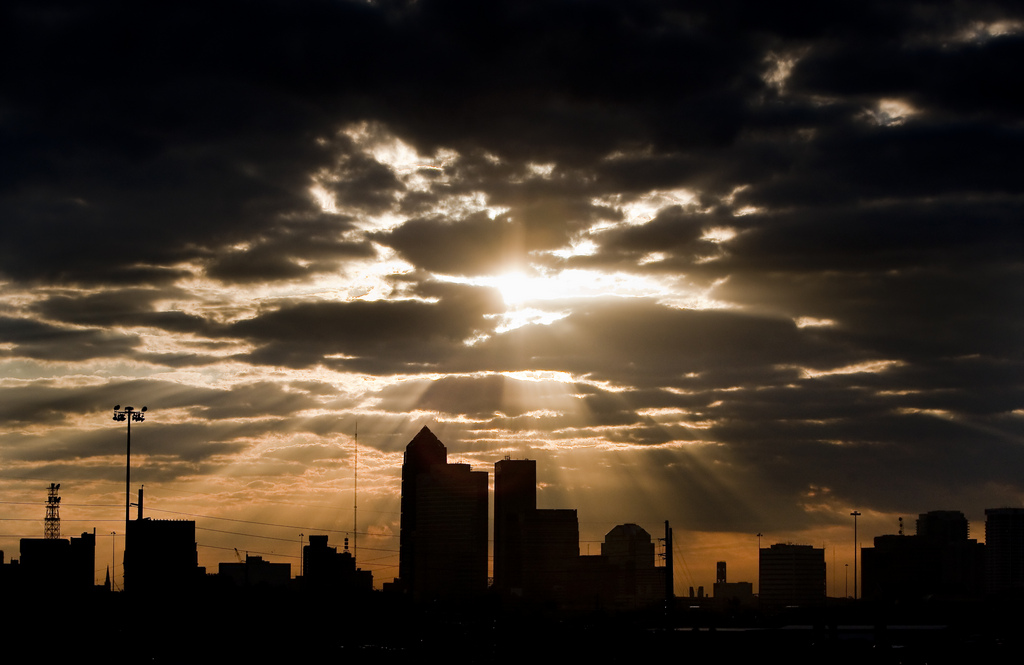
443 539
423 452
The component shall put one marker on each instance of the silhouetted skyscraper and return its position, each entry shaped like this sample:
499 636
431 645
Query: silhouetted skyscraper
551 552
792 575
424 452
632 578
515 498
443 538
536 551
1004 550
943 526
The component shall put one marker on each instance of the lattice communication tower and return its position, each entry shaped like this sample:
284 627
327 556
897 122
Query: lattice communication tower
51 525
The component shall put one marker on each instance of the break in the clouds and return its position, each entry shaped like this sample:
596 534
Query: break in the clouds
743 267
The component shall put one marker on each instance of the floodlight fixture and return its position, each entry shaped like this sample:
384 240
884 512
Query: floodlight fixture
128 414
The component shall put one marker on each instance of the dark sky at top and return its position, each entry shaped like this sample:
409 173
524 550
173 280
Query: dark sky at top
768 256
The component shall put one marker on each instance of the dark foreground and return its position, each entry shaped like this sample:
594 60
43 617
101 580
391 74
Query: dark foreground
379 629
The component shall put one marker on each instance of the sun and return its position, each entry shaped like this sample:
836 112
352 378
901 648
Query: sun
534 297
518 288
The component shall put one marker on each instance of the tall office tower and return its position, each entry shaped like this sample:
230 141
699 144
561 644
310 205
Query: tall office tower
451 538
551 552
515 498
943 526
443 537
424 452
632 578
792 575
1004 550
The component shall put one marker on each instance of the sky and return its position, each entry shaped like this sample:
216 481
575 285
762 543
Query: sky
746 267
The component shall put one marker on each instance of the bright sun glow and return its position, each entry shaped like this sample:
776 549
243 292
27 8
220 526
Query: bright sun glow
519 288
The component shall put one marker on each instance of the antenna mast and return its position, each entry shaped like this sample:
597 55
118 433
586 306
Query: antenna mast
51 525
355 497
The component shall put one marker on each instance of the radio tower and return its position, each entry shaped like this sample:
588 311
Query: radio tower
355 495
51 525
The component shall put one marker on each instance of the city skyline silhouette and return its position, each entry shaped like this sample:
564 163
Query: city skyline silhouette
521 549
754 271
938 574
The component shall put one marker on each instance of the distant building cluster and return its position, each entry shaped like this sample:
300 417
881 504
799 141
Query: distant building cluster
160 559
444 550
941 561
444 547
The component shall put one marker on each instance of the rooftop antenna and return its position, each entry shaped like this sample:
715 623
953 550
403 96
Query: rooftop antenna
51 525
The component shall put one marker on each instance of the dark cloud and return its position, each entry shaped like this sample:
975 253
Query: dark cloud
253 400
969 74
374 336
125 308
290 250
42 341
636 342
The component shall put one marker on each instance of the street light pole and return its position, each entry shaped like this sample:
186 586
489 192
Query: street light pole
855 514
113 559
759 534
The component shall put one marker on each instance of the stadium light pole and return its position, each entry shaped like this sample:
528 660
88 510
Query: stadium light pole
128 414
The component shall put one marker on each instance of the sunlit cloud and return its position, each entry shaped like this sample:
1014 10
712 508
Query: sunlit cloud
778 67
385 147
719 234
980 32
538 376
582 246
519 317
542 170
521 288
323 198
891 112
652 257
811 322
870 367
937 413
